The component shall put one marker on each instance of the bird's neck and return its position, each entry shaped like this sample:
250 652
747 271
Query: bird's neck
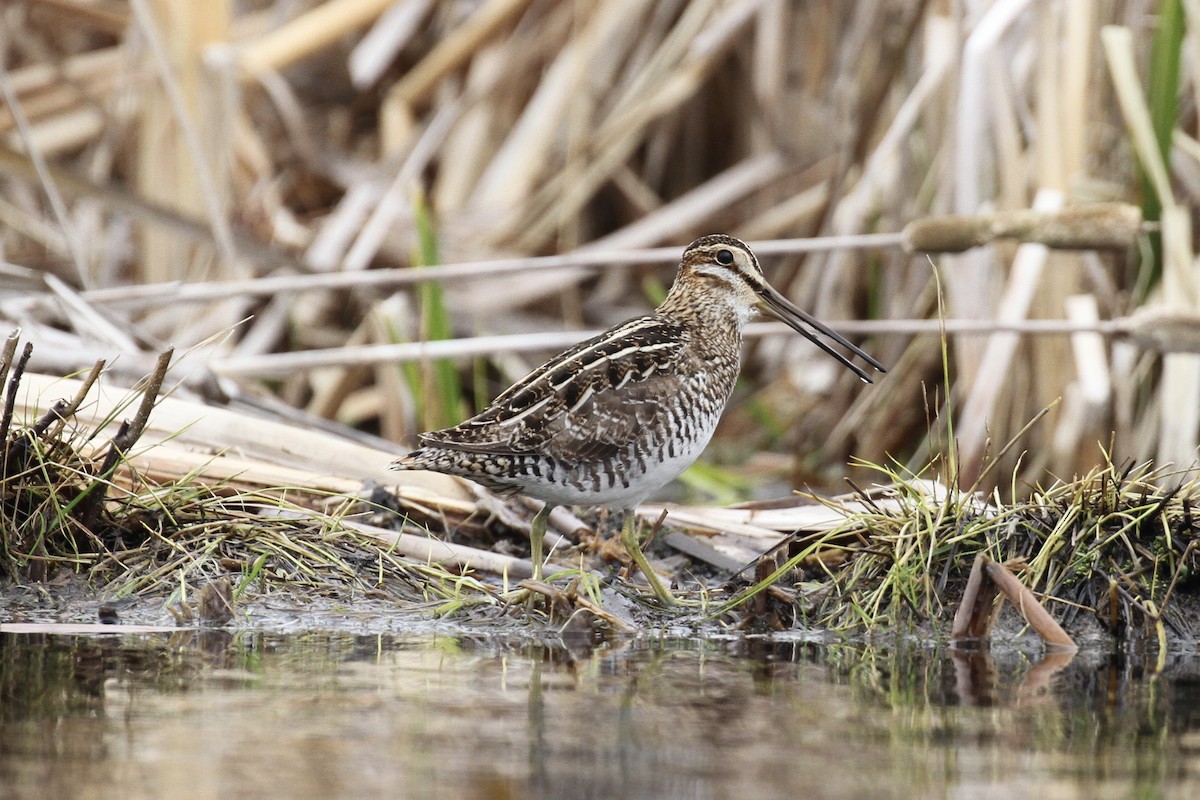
707 309
713 323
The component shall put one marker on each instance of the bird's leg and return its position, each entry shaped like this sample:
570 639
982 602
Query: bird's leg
629 538
537 532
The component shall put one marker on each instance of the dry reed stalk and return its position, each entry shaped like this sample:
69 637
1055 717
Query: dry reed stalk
109 18
512 171
57 122
1180 389
973 620
577 262
971 289
988 393
447 554
207 430
1086 400
1097 226
279 364
386 39
1179 406
310 32
65 132
40 168
42 92
181 132
453 50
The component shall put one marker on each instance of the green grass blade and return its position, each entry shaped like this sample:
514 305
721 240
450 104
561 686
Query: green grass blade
444 406
1163 101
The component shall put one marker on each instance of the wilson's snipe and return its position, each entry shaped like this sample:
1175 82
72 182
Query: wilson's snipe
616 417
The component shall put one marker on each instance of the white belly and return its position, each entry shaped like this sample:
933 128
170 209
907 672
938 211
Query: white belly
579 488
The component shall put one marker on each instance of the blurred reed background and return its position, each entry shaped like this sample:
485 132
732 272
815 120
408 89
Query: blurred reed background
292 162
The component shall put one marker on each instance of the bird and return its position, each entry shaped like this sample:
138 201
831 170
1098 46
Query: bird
612 419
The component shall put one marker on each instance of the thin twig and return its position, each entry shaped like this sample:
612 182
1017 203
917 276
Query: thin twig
61 411
127 434
277 364
10 396
9 351
11 448
155 293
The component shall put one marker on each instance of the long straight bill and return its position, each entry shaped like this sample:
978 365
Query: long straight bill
797 320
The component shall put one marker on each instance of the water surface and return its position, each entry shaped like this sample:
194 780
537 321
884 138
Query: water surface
219 715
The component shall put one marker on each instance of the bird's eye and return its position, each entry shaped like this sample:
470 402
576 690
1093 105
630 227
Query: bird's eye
724 257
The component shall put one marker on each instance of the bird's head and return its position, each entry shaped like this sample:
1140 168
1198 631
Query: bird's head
721 269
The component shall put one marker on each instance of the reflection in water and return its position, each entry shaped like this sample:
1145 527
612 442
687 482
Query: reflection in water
975 677
213 714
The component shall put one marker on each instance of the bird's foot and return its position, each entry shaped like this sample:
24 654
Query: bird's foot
629 538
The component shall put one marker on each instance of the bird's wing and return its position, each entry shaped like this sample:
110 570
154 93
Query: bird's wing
603 425
586 403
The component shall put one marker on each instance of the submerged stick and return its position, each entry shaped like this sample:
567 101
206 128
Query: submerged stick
1030 607
973 620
